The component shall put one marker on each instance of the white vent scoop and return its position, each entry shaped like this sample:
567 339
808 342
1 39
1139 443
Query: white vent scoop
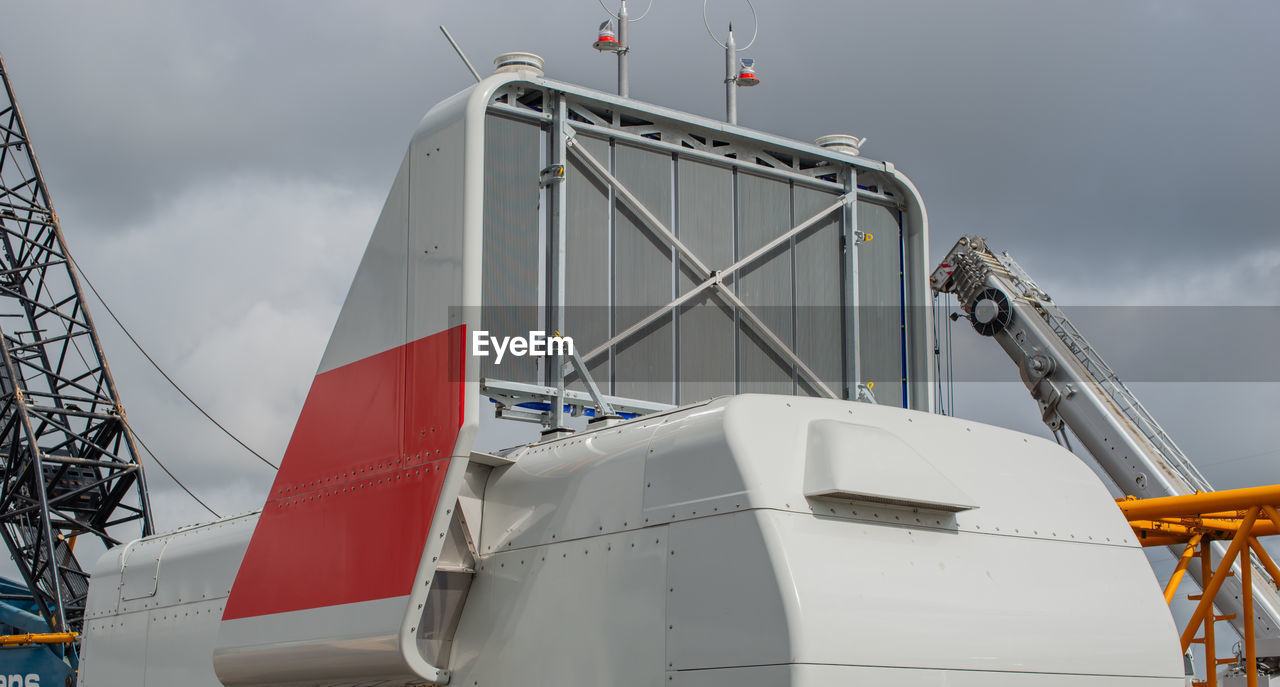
843 143
846 461
518 62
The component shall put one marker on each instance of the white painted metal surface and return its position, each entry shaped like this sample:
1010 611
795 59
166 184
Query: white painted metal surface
765 586
165 637
422 262
681 549
844 461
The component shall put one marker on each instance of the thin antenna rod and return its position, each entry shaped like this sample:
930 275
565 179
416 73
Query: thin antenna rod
624 43
460 53
731 72
730 80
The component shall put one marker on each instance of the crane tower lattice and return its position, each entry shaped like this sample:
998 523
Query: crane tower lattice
70 466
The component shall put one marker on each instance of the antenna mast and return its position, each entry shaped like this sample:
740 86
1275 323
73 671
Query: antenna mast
624 51
462 55
619 42
730 79
736 72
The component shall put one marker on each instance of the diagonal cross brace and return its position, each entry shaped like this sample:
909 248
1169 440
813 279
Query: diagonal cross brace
716 279
602 405
710 279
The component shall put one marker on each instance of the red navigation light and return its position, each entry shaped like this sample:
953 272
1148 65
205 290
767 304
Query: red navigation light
747 72
608 40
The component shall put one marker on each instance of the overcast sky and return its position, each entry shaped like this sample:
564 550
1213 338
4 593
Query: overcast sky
218 168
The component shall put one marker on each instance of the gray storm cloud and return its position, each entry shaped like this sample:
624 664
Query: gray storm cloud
218 167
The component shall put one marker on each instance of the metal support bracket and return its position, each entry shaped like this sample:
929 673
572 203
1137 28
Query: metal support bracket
551 175
602 404
533 402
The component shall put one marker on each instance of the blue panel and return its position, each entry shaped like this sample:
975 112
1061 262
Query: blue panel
32 666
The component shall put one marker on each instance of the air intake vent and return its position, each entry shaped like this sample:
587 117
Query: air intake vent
518 62
843 143
861 463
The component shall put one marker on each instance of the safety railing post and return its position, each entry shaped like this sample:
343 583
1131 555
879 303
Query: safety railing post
1238 542
1250 652
1210 650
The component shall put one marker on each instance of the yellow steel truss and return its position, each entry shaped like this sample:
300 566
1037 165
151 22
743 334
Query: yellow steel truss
1239 516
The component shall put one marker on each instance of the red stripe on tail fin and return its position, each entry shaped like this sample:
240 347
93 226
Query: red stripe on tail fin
349 512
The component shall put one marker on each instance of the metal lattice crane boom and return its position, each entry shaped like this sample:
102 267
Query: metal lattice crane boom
1076 389
69 460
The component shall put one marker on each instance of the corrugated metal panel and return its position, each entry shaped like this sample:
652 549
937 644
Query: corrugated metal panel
617 271
704 222
880 303
510 257
919 313
818 278
643 278
764 212
587 260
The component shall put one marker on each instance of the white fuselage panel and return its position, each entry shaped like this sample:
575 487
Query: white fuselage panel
681 549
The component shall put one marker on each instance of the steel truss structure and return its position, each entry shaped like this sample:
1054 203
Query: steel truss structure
1194 521
1077 390
69 460
578 131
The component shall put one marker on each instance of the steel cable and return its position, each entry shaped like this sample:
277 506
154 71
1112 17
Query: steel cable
177 481
164 374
